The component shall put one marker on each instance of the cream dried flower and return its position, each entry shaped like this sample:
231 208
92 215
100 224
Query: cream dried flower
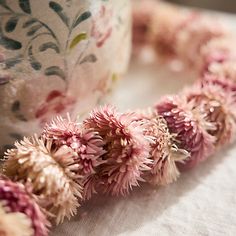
14 224
51 174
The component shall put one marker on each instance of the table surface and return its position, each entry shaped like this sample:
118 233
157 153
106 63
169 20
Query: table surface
201 202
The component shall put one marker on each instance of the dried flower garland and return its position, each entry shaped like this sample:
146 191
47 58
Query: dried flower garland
111 152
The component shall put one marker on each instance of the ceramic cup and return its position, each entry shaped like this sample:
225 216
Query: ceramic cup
57 57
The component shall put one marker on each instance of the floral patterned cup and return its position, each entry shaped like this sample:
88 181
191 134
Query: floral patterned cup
56 57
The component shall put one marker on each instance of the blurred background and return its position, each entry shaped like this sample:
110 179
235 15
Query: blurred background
220 5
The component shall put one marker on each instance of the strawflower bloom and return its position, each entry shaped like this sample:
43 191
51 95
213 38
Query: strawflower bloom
50 173
87 146
127 149
190 127
164 150
217 98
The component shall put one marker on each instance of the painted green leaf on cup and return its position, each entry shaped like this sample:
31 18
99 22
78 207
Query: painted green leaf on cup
9 44
11 24
77 39
60 12
33 30
84 16
29 22
89 58
55 70
4 4
25 6
11 62
15 106
33 62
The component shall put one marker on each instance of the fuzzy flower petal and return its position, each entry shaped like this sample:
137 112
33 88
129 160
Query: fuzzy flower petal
189 126
127 149
50 174
14 199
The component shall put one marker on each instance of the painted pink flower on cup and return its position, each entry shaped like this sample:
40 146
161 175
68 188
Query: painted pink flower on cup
102 26
56 102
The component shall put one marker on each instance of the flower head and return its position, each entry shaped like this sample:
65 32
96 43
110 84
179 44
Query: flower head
19 213
49 172
127 149
216 98
190 127
164 151
87 145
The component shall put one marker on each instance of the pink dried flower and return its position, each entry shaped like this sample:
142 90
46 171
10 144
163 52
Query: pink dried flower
190 127
164 151
87 145
216 97
15 198
127 149
142 14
